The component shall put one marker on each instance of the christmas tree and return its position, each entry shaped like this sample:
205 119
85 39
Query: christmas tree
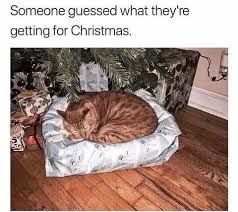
127 68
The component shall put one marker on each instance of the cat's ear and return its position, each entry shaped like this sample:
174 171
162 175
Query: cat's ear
86 107
61 113
84 112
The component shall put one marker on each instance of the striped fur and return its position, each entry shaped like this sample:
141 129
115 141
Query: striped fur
109 117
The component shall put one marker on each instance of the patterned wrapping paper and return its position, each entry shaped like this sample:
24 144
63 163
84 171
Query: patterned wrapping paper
21 81
63 158
17 134
176 71
33 102
92 78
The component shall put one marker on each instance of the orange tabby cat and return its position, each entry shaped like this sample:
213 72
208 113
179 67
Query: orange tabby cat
109 117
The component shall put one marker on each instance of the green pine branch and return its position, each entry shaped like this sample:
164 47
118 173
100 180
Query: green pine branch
117 64
65 65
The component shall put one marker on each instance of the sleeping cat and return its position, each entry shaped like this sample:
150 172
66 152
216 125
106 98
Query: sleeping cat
109 117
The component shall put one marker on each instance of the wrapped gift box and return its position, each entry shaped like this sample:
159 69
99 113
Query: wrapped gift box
17 118
92 78
17 134
30 80
31 134
33 102
175 70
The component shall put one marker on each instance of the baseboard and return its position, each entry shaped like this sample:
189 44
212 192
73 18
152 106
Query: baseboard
209 102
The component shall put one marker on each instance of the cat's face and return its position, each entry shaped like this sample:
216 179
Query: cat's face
72 129
79 119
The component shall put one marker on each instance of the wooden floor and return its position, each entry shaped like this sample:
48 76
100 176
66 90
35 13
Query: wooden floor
195 178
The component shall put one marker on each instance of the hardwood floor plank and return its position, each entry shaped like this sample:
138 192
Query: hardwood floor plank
184 184
198 114
79 189
154 197
203 168
207 139
59 196
82 194
210 158
203 120
145 204
76 189
25 190
23 181
212 188
19 202
171 202
183 198
94 203
90 180
41 201
50 186
120 186
130 176
109 197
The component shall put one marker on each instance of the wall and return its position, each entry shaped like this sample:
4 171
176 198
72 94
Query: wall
206 95
201 78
